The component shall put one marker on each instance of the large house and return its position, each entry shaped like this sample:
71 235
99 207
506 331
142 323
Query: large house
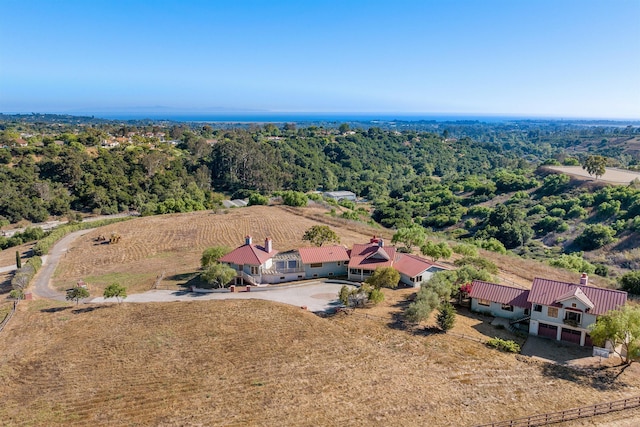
257 265
556 310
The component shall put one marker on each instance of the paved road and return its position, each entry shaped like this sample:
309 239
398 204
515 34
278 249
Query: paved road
316 296
49 264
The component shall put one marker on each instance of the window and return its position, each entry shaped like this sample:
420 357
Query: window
552 312
280 265
418 279
254 270
573 305
507 307
293 263
537 308
338 263
315 265
354 271
484 302
330 274
572 317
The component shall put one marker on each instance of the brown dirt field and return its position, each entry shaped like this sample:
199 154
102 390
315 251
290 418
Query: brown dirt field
259 363
174 243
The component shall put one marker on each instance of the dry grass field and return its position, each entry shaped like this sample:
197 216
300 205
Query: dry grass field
260 363
173 244
251 362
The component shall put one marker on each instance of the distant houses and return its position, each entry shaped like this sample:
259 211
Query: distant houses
557 310
262 264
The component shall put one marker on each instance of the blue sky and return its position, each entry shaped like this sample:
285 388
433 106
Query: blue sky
554 58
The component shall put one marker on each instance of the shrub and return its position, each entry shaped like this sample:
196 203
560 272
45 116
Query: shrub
630 282
508 346
573 262
258 199
595 236
557 212
492 244
477 262
446 316
347 204
465 250
537 209
294 198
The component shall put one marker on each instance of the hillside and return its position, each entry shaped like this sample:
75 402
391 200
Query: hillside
172 244
260 363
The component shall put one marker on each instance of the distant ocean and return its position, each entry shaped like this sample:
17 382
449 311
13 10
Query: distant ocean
267 117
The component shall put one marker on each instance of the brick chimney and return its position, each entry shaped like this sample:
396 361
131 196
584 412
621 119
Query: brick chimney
584 279
247 240
268 245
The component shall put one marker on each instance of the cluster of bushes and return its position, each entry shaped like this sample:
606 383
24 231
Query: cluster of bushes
508 346
28 235
23 276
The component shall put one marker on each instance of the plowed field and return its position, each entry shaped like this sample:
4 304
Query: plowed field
173 244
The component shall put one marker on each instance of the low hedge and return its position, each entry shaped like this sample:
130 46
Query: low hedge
508 346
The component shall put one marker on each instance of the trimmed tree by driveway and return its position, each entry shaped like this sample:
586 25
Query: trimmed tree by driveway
115 290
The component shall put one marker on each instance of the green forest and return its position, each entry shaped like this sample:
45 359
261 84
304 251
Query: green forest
484 183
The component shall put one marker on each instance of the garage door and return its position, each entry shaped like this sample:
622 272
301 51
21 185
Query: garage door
570 335
549 331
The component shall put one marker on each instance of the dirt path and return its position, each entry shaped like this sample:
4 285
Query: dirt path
49 263
612 175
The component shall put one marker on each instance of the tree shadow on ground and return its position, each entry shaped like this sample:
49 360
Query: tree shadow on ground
182 276
398 321
88 309
54 309
601 379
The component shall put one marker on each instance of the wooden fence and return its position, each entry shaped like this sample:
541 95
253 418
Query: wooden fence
6 319
569 414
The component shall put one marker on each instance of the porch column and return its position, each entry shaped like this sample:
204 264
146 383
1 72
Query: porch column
583 337
559 333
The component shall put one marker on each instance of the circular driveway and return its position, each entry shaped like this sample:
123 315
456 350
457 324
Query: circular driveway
315 296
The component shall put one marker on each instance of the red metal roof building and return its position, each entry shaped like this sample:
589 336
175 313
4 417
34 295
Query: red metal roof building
372 255
315 255
412 265
499 293
250 254
551 293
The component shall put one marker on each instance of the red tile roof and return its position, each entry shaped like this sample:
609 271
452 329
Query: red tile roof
371 256
323 254
411 265
499 293
547 292
248 254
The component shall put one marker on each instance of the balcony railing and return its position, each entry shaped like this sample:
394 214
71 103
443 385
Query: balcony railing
572 322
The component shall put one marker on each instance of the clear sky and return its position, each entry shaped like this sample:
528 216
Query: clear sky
564 58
